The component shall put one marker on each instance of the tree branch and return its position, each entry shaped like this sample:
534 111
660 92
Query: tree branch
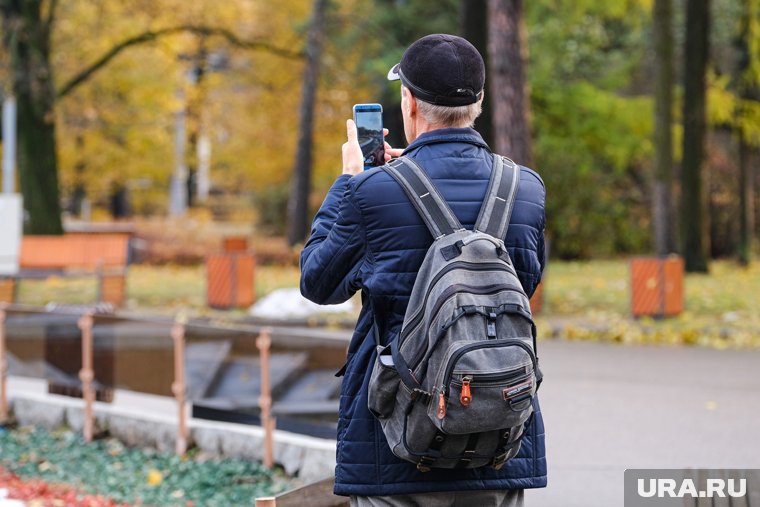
150 36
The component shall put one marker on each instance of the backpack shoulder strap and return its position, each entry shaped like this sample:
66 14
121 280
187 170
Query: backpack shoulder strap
431 206
500 198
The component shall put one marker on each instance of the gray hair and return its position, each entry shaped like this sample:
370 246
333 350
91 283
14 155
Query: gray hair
448 116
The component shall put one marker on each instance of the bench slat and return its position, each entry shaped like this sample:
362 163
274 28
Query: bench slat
72 251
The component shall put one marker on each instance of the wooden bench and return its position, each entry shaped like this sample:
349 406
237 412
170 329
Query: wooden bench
316 494
104 255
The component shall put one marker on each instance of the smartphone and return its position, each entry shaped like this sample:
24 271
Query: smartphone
369 126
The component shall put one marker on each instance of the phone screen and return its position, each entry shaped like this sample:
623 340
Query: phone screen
369 126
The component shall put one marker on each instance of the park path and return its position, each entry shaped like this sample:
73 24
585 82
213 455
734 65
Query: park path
611 407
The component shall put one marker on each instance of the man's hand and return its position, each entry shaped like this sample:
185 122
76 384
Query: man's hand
391 152
353 159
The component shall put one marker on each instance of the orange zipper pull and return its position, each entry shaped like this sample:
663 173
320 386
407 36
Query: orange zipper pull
466 397
441 406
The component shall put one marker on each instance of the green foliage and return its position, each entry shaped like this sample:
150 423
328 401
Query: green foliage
382 30
734 83
132 475
748 120
592 135
590 146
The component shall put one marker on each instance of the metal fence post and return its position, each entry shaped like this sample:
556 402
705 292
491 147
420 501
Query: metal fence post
99 278
178 387
86 375
264 342
3 369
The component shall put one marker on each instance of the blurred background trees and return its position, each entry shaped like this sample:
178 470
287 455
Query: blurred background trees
298 201
509 102
27 31
605 104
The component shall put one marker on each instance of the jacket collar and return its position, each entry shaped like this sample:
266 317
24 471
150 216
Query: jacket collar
447 135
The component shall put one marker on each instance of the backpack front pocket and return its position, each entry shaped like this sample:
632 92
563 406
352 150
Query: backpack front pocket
474 393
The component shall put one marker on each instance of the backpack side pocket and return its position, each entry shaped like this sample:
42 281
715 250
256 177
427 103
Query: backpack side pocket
383 384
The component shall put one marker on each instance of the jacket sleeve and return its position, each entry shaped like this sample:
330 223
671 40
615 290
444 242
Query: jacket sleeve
333 260
541 247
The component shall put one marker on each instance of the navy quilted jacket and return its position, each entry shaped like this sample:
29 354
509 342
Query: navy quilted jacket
368 236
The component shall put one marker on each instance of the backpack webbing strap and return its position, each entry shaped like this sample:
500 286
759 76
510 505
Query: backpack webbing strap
496 210
469 449
430 205
503 448
407 375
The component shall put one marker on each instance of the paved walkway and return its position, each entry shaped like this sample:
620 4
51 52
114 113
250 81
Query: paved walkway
612 407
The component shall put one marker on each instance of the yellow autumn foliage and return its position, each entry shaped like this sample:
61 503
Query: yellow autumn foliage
118 127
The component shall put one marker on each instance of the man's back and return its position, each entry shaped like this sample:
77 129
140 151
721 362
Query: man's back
377 244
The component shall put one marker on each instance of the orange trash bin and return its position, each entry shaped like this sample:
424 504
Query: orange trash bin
229 280
657 288
112 288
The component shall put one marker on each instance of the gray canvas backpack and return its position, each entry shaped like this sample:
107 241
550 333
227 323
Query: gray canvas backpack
455 388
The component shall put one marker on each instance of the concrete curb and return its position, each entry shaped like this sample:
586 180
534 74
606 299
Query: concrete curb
308 458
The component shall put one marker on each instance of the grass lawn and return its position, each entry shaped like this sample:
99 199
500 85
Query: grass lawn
591 300
154 289
587 300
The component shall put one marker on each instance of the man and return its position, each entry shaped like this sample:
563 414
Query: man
368 235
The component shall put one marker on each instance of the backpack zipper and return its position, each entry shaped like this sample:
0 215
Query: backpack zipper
477 345
493 380
417 317
485 379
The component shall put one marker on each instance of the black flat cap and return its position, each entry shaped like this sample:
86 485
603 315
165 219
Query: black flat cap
442 69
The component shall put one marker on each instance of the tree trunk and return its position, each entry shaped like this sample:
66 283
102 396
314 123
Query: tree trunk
298 201
473 19
693 196
79 194
119 201
194 113
507 50
662 33
749 89
746 204
26 36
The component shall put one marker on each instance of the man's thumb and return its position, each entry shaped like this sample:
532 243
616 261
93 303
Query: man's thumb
351 131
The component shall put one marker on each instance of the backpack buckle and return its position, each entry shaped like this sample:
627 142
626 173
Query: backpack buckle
498 461
423 465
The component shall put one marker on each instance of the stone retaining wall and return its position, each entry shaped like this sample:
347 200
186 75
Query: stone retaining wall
305 457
